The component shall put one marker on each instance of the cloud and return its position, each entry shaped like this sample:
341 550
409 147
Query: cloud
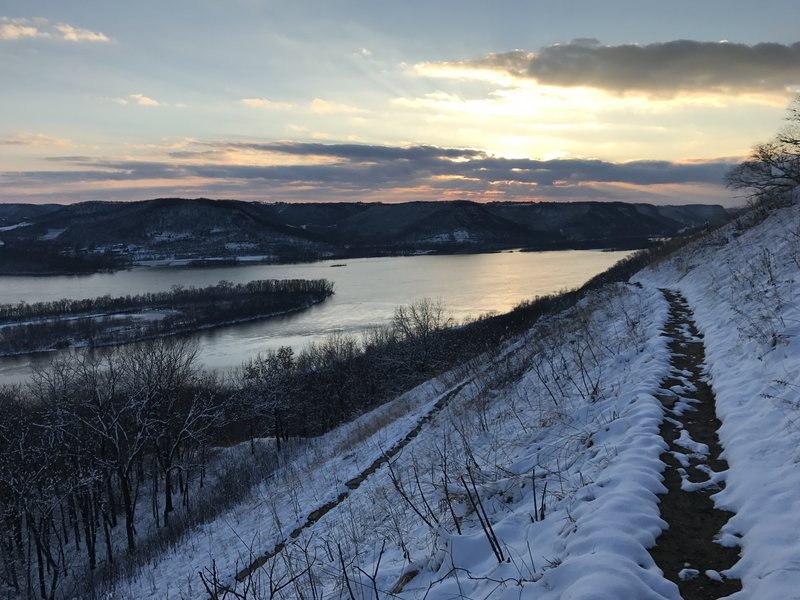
139 99
355 153
363 165
34 139
266 103
420 161
661 68
318 105
78 34
317 171
143 100
14 29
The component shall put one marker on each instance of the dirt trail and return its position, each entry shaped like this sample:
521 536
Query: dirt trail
686 551
352 484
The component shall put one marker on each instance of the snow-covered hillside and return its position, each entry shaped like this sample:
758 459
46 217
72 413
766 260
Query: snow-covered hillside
541 473
743 286
536 472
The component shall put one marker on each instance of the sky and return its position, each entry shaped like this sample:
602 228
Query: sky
357 100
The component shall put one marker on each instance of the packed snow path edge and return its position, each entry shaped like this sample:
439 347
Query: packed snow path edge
687 551
352 484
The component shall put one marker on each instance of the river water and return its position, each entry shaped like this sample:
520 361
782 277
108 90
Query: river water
367 292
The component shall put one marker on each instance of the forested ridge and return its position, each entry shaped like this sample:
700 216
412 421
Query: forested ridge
107 235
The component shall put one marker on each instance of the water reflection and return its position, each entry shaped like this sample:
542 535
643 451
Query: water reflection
367 292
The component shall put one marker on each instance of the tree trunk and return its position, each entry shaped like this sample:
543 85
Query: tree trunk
43 555
183 484
127 504
40 571
202 465
112 504
168 507
154 505
9 562
88 528
16 517
64 529
73 517
107 535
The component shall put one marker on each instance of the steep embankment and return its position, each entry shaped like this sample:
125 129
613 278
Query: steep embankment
742 283
541 476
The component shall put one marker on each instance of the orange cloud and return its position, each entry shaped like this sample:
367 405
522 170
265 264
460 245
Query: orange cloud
266 103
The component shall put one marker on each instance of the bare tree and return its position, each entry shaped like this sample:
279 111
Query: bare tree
419 324
334 357
180 403
157 371
103 426
27 498
265 387
772 172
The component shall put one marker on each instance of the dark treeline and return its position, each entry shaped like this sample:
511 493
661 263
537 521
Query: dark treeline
106 320
98 453
223 291
38 258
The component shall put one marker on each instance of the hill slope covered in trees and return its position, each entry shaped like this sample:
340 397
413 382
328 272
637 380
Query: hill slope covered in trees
99 235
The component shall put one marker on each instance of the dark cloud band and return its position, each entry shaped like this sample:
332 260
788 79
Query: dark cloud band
371 168
663 68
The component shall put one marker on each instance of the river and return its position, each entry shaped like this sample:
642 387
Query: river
367 292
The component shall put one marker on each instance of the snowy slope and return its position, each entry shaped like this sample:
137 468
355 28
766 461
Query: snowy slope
554 443
743 286
533 473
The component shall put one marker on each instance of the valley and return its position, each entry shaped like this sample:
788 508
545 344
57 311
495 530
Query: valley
530 466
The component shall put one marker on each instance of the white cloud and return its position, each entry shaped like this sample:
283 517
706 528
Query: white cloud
139 99
14 29
266 103
78 34
318 105
143 100
35 139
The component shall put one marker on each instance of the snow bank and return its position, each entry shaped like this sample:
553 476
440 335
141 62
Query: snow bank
742 284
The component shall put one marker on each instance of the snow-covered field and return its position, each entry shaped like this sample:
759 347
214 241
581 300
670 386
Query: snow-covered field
533 472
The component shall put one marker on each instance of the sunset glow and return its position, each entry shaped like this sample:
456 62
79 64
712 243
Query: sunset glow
132 103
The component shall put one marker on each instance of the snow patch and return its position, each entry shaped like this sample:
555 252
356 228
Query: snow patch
51 234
